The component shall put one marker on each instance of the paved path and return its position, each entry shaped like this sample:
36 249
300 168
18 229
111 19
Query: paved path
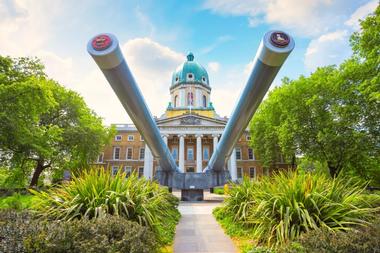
198 231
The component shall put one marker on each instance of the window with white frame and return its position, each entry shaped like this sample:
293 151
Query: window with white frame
248 137
114 170
206 153
116 153
252 172
239 173
175 153
238 153
142 154
100 157
141 138
141 171
127 170
251 155
190 153
118 137
131 137
129 153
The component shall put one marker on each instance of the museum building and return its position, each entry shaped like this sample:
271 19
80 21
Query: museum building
190 127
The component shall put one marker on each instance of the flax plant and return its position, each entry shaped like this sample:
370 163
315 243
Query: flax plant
279 209
96 193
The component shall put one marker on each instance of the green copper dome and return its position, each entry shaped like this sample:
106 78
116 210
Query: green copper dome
190 72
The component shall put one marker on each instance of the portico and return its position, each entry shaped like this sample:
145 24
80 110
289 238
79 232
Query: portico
191 139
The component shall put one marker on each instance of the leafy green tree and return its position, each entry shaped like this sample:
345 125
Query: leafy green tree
44 124
332 116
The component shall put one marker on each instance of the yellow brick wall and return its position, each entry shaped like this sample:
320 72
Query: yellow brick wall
206 113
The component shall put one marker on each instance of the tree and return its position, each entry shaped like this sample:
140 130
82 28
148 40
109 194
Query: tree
332 116
44 124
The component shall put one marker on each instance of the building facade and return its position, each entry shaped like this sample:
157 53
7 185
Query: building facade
190 127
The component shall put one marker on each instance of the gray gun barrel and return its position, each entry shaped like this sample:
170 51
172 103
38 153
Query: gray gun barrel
273 51
105 50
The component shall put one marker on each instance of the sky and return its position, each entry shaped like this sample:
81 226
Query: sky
155 37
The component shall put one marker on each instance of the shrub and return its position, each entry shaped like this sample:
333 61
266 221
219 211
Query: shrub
22 232
106 234
276 210
360 240
96 193
219 191
14 227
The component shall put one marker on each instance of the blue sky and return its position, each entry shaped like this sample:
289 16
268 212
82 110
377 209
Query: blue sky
155 36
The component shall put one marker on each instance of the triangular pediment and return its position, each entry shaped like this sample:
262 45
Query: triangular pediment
191 120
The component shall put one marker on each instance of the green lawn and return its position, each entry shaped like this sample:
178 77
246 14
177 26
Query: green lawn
17 201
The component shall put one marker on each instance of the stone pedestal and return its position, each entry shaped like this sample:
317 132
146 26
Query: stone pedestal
192 194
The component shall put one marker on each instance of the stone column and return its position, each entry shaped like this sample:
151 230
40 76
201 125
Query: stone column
232 166
215 141
148 163
199 152
181 153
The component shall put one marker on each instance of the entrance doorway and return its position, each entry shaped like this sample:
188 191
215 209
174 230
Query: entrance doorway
190 169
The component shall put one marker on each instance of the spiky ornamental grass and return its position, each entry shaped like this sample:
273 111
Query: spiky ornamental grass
276 210
96 193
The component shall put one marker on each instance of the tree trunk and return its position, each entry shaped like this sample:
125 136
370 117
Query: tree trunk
294 162
334 170
37 172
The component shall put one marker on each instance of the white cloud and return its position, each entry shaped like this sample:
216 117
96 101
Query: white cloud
305 18
213 66
25 26
330 48
361 13
152 65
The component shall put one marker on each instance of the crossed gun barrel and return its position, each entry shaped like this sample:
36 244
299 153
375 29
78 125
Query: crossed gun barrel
105 50
273 51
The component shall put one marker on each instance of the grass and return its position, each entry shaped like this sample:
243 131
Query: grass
17 201
278 209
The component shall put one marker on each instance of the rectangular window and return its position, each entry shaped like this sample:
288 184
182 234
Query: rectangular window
206 153
248 137
251 156
190 169
239 173
190 154
116 153
141 171
128 170
238 153
175 153
252 173
100 158
142 154
118 137
130 138
129 153
114 170
141 138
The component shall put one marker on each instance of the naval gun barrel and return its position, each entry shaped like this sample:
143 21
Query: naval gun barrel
105 50
272 53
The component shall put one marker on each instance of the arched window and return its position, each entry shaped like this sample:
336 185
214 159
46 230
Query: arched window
190 100
204 101
175 101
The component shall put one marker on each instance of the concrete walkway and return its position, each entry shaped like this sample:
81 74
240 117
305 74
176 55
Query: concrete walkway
198 231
